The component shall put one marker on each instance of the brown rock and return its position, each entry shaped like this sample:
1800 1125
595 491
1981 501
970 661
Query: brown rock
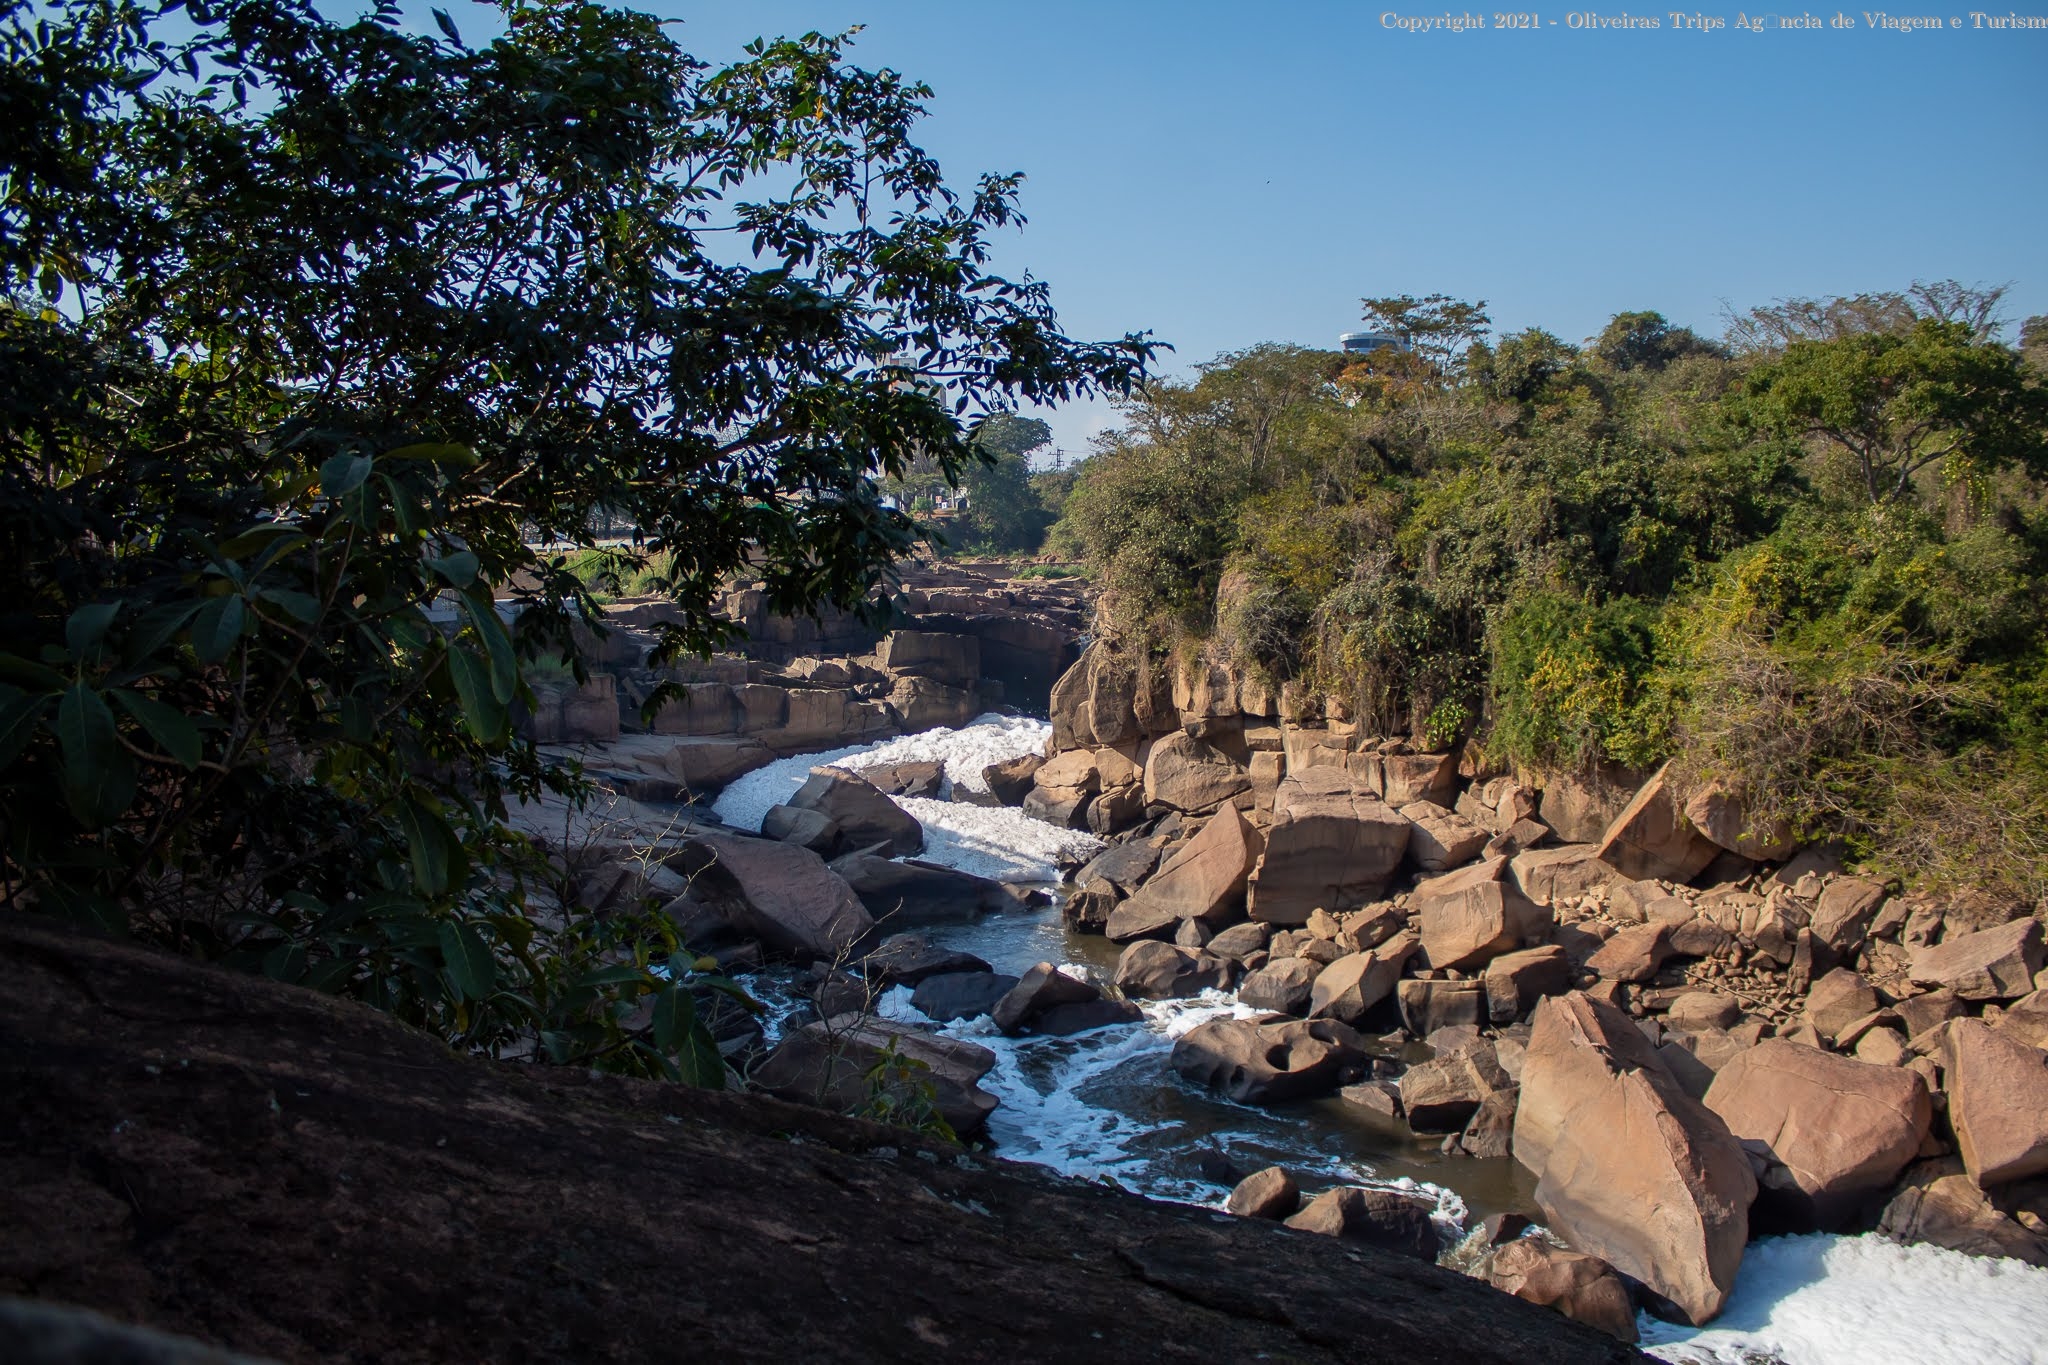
919 778
834 1064
1838 1131
1011 780
1991 964
1940 1205
1441 1094
1257 1063
1718 812
1703 1010
1516 981
865 817
809 829
1549 875
1382 1218
1653 838
1473 915
1270 1193
1241 940
1668 1204
1634 954
1378 1101
1440 840
1353 984
1040 989
2026 1021
1419 777
1842 918
1284 986
1160 971
1577 1285
782 895
1837 1001
1205 880
1332 844
1490 1134
1699 938
1998 1102
1191 775
1427 1006
1087 908
1920 1013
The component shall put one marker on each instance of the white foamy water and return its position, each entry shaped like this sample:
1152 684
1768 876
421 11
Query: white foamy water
1829 1300
998 842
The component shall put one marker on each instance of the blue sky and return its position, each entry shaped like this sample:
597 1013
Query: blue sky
1225 174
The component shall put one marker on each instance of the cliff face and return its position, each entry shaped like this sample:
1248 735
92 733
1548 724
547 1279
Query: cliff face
267 1169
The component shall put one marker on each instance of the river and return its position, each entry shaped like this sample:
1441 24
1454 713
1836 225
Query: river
1105 1105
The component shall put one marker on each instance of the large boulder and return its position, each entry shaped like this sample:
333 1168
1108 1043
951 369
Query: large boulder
1838 1131
864 815
1041 989
906 959
1843 917
1406 778
1653 838
918 777
1352 985
783 895
1388 1219
1991 964
1192 775
1579 1286
1205 880
946 996
1473 915
1549 875
841 1062
1719 812
1427 1006
1270 1193
1516 981
1940 1205
909 893
1633 954
1333 845
1255 1063
1159 971
1284 987
1628 1166
1443 1093
1441 840
1010 781
954 660
1998 1102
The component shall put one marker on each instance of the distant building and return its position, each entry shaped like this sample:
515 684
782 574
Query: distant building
1364 343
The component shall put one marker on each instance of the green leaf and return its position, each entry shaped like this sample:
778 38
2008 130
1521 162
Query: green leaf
436 452
482 712
470 964
19 716
88 626
285 962
303 605
154 628
217 627
675 1015
358 719
98 776
343 475
458 568
619 974
330 976
270 535
483 613
31 673
172 729
435 852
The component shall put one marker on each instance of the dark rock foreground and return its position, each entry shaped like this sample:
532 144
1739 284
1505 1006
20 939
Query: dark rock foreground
275 1172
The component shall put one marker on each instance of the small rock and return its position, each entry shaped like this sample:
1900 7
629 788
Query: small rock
1270 1193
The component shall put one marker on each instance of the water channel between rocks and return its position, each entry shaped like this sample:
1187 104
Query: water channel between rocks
1106 1105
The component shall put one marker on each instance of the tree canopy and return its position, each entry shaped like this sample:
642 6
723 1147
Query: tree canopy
314 328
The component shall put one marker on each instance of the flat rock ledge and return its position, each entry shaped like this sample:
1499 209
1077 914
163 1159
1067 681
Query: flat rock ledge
273 1172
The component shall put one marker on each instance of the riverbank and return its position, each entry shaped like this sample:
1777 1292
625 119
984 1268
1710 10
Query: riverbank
282 1174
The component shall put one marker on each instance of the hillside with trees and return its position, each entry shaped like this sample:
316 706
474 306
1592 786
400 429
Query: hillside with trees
1808 558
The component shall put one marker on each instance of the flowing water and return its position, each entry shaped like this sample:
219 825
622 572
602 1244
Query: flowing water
1106 1105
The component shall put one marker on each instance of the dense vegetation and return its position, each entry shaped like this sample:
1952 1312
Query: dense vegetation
310 330
1811 558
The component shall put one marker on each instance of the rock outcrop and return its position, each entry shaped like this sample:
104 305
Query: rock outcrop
1628 1166
1333 845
